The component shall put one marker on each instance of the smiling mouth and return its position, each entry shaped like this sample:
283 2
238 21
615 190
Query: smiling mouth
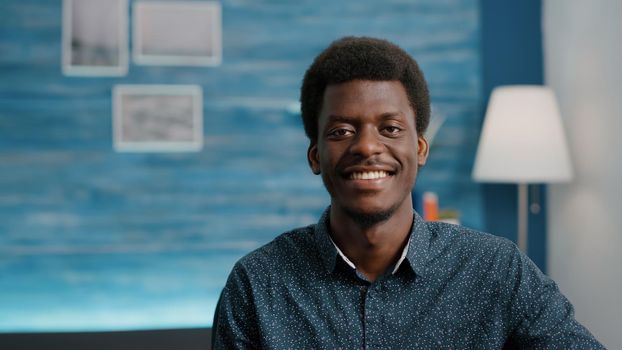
369 175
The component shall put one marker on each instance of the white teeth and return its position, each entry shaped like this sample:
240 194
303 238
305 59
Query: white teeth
369 175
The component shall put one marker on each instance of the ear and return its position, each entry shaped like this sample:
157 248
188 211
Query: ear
423 149
313 159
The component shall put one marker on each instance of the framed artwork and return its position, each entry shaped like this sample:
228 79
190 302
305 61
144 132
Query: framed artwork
95 37
157 118
177 33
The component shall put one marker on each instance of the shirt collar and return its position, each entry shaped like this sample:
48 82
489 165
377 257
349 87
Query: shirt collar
327 250
351 264
416 252
419 245
343 256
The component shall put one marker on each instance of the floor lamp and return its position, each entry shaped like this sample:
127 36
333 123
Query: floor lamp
522 142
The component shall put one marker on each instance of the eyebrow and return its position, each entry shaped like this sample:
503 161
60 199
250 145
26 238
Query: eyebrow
392 115
340 119
333 118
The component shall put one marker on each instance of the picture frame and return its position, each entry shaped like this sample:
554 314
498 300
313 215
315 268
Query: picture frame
95 38
157 118
178 33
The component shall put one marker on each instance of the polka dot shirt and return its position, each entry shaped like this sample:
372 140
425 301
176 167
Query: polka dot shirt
455 289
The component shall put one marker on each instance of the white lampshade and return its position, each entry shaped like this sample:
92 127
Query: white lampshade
522 140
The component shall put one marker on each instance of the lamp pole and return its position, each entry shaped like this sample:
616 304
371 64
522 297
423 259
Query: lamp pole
523 216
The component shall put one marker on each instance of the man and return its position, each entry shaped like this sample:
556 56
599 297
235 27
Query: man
372 273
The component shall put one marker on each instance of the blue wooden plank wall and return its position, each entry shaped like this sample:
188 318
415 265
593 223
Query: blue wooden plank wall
91 239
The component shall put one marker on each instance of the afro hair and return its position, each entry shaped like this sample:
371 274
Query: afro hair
364 58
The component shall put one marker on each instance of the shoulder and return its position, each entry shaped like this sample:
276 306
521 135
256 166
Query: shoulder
285 248
469 240
464 246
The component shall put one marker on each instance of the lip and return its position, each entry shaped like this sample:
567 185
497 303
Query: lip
367 185
347 173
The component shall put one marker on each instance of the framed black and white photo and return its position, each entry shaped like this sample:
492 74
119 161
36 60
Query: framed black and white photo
177 33
95 37
157 118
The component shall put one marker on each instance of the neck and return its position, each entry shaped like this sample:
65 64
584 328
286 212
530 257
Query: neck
372 247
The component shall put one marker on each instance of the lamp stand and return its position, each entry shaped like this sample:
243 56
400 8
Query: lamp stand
523 217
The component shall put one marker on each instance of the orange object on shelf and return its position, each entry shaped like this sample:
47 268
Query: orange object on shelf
430 206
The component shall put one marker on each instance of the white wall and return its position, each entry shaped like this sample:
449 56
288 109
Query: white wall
583 63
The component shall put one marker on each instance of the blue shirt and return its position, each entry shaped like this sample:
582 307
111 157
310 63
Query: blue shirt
456 289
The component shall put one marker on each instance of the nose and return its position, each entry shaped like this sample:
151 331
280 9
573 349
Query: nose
367 142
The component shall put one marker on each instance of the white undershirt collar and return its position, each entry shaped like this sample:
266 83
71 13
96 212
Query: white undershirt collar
351 264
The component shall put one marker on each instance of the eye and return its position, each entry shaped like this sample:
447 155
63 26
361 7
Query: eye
340 133
392 130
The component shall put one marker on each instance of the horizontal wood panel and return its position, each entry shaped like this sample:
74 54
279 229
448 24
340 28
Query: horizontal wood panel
93 239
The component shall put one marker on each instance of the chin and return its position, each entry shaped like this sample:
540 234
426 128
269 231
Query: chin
367 218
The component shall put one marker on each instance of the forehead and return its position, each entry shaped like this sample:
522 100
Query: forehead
359 98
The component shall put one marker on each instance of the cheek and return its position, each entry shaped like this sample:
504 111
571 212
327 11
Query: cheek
407 147
410 159
329 158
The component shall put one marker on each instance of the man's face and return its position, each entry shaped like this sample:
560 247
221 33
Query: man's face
367 150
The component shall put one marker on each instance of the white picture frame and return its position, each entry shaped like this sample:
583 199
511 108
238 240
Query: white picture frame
95 38
178 33
157 118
